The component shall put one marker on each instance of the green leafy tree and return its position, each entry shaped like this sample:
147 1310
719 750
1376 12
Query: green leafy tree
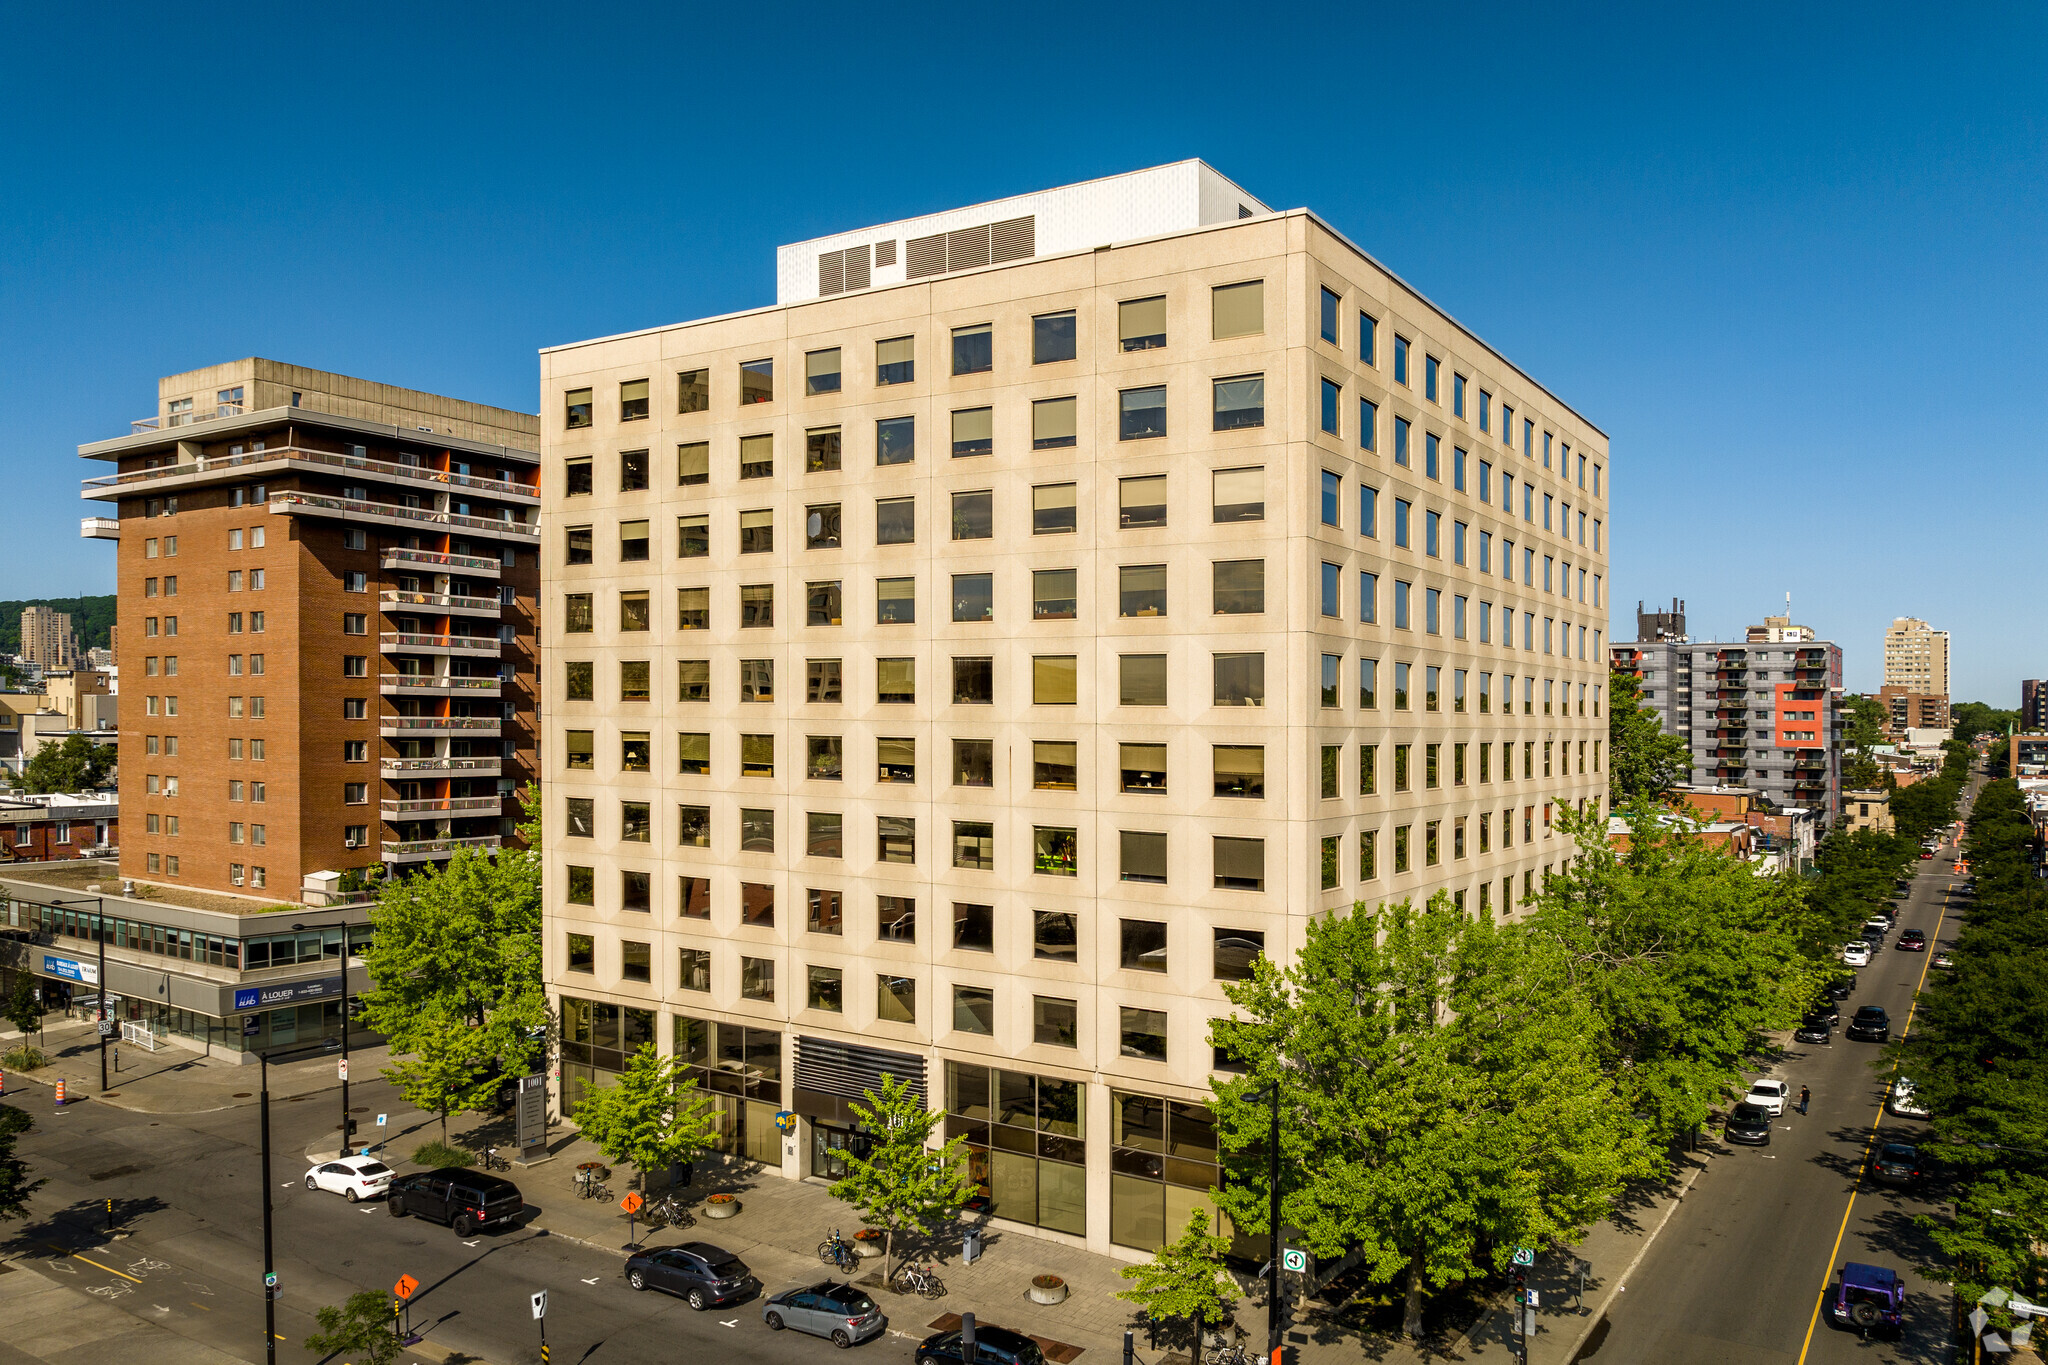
1862 773
1970 719
1441 1098
15 1186
1863 727
1184 1280
360 1329
443 1067
903 1183
24 1011
1643 761
648 1115
76 765
459 947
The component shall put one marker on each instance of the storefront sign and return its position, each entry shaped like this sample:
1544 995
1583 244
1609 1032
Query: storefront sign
287 993
252 1024
64 969
531 1111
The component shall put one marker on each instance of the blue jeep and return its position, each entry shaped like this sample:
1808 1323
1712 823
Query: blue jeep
1868 1298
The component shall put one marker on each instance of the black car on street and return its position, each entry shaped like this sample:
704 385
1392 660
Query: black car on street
464 1200
1870 1024
1815 1028
1749 1124
998 1345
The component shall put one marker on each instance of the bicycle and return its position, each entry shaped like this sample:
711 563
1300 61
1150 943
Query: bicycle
493 1162
669 1211
835 1250
921 1280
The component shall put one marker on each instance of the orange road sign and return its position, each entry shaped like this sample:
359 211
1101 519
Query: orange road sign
405 1286
632 1202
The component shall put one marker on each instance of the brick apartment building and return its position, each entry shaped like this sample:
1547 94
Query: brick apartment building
326 621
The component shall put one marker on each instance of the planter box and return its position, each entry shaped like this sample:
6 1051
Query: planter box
720 1209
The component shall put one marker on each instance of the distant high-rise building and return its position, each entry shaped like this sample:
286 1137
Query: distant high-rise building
327 592
1661 624
46 638
2034 704
1765 714
1916 658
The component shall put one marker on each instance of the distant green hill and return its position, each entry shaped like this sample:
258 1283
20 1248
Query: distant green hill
91 617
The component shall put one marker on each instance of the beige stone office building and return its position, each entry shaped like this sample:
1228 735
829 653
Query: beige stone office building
966 666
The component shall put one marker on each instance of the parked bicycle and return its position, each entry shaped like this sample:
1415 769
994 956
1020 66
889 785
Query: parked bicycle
669 1210
493 1162
836 1250
921 1280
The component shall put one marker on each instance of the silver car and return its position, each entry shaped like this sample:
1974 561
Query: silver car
829 1309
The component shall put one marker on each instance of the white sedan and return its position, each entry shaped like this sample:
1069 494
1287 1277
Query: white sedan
1856 954
1769 1096
351 1177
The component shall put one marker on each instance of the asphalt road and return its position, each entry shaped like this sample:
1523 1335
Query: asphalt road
188 1188
1738 1271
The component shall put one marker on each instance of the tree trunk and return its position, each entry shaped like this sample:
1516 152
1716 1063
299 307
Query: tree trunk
1197 1348
1411 1316
444 1127
888 1254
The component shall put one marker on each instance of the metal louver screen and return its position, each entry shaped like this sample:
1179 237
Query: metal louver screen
831 272
967 248
848 1069
857 267
1014 240
924 256
885 253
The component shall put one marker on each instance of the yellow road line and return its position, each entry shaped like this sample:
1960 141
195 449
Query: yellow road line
1828 1275
200 1306
91 1262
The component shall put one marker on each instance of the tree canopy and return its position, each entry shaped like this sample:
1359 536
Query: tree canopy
1184 1280
903 1183
1863 725
1970 719
647 1114
1643 762
76 765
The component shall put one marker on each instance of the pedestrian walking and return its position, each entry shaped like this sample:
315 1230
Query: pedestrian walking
1804 1096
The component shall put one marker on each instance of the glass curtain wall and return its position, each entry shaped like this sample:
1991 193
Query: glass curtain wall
1026 1143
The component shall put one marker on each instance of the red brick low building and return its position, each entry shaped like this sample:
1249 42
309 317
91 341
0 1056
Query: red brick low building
46 828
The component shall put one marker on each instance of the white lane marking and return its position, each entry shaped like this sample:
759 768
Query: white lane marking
469 1244
734 1323
592 1280
160 1308
194 1284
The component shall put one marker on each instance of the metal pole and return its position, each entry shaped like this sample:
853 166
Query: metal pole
1273 1226
100 933
269 1298
345 998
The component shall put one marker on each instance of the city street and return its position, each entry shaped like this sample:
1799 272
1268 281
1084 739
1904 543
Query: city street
1737 1271
193 1265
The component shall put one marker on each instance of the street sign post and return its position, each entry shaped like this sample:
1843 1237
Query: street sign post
631 1204
1294 1260
1524 1256
540 1315
405 1287
344 1069
530 1112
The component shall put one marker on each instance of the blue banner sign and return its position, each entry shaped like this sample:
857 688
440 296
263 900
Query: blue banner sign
288 993
64 969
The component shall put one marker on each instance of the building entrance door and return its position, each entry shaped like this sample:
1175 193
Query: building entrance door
828 1150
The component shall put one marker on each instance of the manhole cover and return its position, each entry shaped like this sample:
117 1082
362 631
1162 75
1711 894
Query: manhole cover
360 1109
240 1095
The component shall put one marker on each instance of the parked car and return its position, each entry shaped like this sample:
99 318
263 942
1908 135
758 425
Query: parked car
1913 941
1870 1024
828 1309
1896 1163
1749 1125
1869 1298
997 1344
351 1177
1927 853
1841 988
1817 1027
698 1272
1902 1102
464 1200
1856 954
1768 1096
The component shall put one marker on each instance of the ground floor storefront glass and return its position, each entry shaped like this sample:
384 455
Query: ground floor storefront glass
740 1068
1026 1143
597 1038
1162 1165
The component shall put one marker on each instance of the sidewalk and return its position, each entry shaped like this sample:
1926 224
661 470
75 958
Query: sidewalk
174 1080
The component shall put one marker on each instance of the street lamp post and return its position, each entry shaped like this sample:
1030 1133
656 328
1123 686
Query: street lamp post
1273 1326
264 1060
346 999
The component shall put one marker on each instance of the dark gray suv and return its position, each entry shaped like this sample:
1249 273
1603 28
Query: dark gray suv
699 1272
464 1200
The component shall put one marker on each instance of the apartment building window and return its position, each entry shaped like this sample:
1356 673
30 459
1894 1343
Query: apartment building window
973 349
1401 591
1141 323
1237 587
633 542
821 372
895 601
974 682
632 471
693 391
757 755
973 431
757 680
823 757
633 401
821 450
352 708
896 361
693 681
1054 764
1327 316
1052 509
1055 851
757 382
1332 665
693 969
895 681
1141 680
1239 679
895 521
757 457
823 603
1141 502
1331 606
1053 594
973 597
974 762
895 440
576 408
1141 413
693 608
353 581
896 760
824 989
693 463
821 526
895 999
1432 601
1052 337
1401 430
896 839
1400 359
974 845
1333 394
1237 310
693 825
1238 864
1141 590
757 531
757 978
1368 598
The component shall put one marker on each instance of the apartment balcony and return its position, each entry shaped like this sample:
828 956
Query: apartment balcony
99 528
472 566
448 603
426 850
184 419
410 769
416 727
405 518
281 458
436 685
449 806
468 646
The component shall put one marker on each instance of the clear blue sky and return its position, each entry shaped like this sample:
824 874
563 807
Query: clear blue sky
1790 259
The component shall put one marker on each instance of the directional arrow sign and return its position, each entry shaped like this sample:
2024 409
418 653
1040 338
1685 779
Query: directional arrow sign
1295 1260
405 1286
1524 1256
540 1304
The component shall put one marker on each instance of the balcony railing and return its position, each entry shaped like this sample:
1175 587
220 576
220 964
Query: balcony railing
428 767
99 528
393 684
441 601
398 641
422 516
440 725
400 850
184 419
384 469
457 805
395 558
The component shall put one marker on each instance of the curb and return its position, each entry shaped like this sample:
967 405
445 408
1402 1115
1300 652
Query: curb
1599 1312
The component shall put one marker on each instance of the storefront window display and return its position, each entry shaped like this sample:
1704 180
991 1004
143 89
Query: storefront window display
1026 1143
741 1069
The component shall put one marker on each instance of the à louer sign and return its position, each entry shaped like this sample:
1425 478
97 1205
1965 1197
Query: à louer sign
64 969
288 993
